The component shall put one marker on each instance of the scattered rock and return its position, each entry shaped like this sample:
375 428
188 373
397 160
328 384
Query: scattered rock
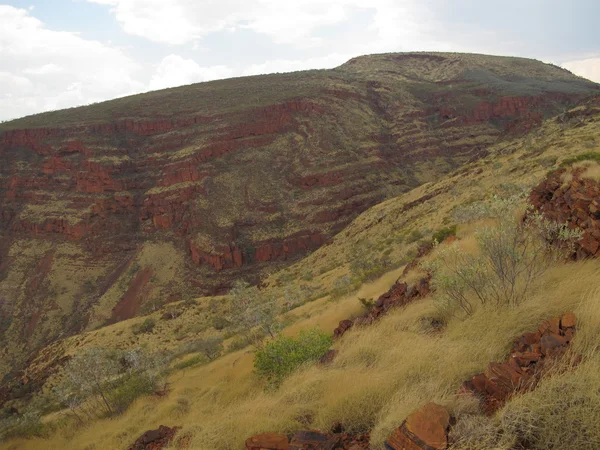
313 440
155 439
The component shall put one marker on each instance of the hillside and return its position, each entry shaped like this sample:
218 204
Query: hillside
410 356
111 210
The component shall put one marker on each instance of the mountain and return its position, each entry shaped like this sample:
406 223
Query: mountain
110 210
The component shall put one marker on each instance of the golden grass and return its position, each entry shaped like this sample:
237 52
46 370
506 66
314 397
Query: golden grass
381 374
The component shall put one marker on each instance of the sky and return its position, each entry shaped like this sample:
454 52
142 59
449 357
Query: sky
56 54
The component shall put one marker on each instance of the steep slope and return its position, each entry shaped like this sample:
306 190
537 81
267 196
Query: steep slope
112 209
386 370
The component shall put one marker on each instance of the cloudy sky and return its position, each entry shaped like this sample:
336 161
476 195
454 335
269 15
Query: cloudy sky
61 53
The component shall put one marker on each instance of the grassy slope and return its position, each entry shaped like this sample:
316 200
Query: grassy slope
385 371
368 96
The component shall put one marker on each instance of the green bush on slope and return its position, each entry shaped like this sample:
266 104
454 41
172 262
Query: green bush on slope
282 356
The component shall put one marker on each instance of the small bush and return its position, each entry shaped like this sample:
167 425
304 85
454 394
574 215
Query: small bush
128 390
442 234
210 347
282 356
368 303
589 156
512 255
26 426
220 323
414 236
238 344
193 361
145 327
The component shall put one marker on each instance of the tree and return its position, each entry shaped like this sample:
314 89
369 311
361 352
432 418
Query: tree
90 374
109 380
252 310
211 347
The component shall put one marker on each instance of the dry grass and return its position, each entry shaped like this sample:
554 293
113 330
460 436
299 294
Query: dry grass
382 373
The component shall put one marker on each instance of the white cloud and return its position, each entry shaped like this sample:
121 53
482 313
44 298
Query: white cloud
174 70
291 65
42 69
288 22
587 68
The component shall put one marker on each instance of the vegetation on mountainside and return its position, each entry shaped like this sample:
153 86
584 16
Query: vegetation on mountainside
247 163
384 372
280 357
512 255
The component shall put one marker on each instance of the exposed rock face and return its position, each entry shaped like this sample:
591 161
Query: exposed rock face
529 357
425 429
576 202
155 439
237 175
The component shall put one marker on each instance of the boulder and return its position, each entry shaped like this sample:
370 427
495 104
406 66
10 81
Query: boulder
568 320
328 357
314 440
425 429
267 441
155 439
343 326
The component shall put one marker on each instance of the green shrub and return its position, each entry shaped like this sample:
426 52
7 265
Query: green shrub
368 303
128 390
220 323
26 426
282 356
414 236
211 347
589 156
145 327
442 234
238 343
193 361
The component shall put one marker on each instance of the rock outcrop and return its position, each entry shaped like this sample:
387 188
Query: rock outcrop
400 294
530 357
567 196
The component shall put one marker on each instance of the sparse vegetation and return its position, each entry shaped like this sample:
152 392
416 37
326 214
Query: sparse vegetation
252 312
511 256
101 382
